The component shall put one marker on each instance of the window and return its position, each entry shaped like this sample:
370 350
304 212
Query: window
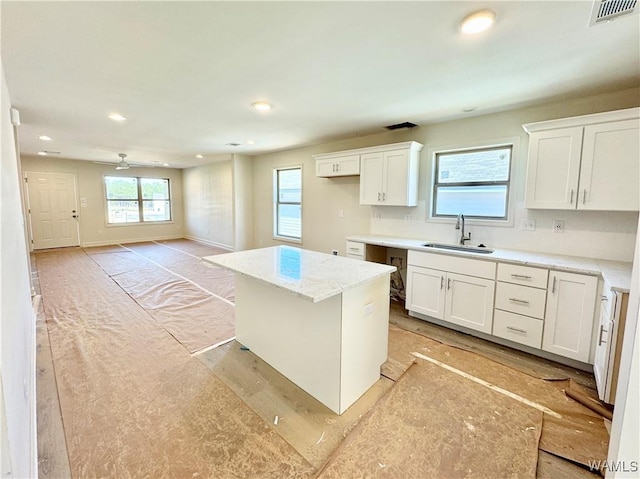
137 200
287 192
472 182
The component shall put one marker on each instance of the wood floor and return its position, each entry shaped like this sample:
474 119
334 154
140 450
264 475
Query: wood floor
315 434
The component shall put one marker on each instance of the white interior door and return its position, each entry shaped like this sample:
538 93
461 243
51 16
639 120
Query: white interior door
53 209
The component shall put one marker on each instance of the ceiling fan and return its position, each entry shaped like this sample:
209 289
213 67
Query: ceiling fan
122 165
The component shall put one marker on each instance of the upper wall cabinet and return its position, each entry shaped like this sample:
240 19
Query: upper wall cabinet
388 173
332 165
389 176
589 162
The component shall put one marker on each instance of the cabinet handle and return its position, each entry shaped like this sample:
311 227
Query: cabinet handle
602 330
448 283
604 298
351 248
520 276
337 166
553 288
571 199
441 282
521 301
584 196
384 197
378 196
511 328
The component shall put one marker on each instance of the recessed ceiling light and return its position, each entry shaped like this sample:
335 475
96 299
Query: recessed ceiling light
477 22
199 157
43 153
165 164
251 142
261 106
117 117
44 138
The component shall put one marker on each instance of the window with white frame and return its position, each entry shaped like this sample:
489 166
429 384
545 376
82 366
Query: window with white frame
474 182
287 208
137 200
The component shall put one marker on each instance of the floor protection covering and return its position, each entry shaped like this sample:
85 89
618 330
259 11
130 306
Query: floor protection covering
419 430
189 299
579 435
134 402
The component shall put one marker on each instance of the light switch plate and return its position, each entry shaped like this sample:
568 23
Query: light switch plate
528 224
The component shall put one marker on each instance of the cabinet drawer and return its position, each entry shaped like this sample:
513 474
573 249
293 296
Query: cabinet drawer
453 264
355 248
518 328
355 256
525 275
521 299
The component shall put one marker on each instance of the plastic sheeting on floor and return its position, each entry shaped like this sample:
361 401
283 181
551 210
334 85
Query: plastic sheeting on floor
192 306
419 429
134 402
579 435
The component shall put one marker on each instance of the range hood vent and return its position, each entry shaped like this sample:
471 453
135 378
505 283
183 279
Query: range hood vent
604 10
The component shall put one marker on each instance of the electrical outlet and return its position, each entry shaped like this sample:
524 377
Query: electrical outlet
528 224
340 213
558 226
334 252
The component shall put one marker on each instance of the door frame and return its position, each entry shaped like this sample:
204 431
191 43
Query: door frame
27 203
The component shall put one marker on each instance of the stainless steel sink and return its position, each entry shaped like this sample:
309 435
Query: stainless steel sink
459 247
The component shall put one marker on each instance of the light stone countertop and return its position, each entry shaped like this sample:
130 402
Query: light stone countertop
311 275
617 274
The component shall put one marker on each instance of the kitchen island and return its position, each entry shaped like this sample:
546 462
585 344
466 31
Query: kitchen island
320 320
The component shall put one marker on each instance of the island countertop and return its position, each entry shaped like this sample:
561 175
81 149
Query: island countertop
311 275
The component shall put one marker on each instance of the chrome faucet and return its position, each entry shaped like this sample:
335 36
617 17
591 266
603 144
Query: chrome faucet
460 225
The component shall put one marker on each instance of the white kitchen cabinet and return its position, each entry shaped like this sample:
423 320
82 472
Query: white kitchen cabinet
355 250
425 291
521 293
347 165
588 162
390 177
448 295
613 311
568 321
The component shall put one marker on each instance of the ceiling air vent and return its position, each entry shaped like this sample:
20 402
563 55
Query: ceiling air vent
604 10
397 126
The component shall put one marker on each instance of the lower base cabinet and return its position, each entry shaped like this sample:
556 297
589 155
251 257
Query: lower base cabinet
552 311
568 322
456 298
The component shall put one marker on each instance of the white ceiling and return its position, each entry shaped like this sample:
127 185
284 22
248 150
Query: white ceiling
185 74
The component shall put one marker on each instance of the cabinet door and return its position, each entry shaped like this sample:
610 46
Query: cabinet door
371 173
469 302
348 165
425 291
396 179
553 168
601 360
568 320
610 167
325 168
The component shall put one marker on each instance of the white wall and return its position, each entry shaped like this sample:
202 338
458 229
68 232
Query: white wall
208 202
243 202
17 319
93 223
609 235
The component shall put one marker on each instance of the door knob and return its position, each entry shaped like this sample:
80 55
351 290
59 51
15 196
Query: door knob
74 216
